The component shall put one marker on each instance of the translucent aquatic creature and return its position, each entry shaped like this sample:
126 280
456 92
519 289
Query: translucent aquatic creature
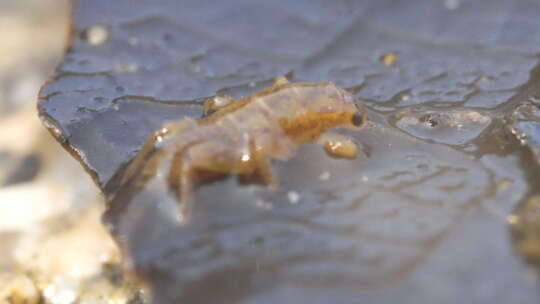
242 136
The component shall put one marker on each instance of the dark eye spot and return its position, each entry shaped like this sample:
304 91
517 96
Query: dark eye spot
357 119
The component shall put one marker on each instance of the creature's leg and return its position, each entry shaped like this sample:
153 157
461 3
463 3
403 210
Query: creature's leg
262 166
244 160
339 146
181 181
195 164
190 162
186 190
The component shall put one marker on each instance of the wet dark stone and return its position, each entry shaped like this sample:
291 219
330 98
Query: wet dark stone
213 50
420 217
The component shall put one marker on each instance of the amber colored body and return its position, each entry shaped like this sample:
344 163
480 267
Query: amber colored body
242 136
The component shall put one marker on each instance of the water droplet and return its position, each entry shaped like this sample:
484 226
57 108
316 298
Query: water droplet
293 197
455 127
263 204
342 148
405 97
96 34
324 176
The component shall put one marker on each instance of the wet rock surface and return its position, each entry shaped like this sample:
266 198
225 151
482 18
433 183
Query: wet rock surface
422 215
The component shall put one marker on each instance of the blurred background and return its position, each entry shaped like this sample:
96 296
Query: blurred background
55 249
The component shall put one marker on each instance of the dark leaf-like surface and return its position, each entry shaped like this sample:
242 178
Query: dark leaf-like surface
420 217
